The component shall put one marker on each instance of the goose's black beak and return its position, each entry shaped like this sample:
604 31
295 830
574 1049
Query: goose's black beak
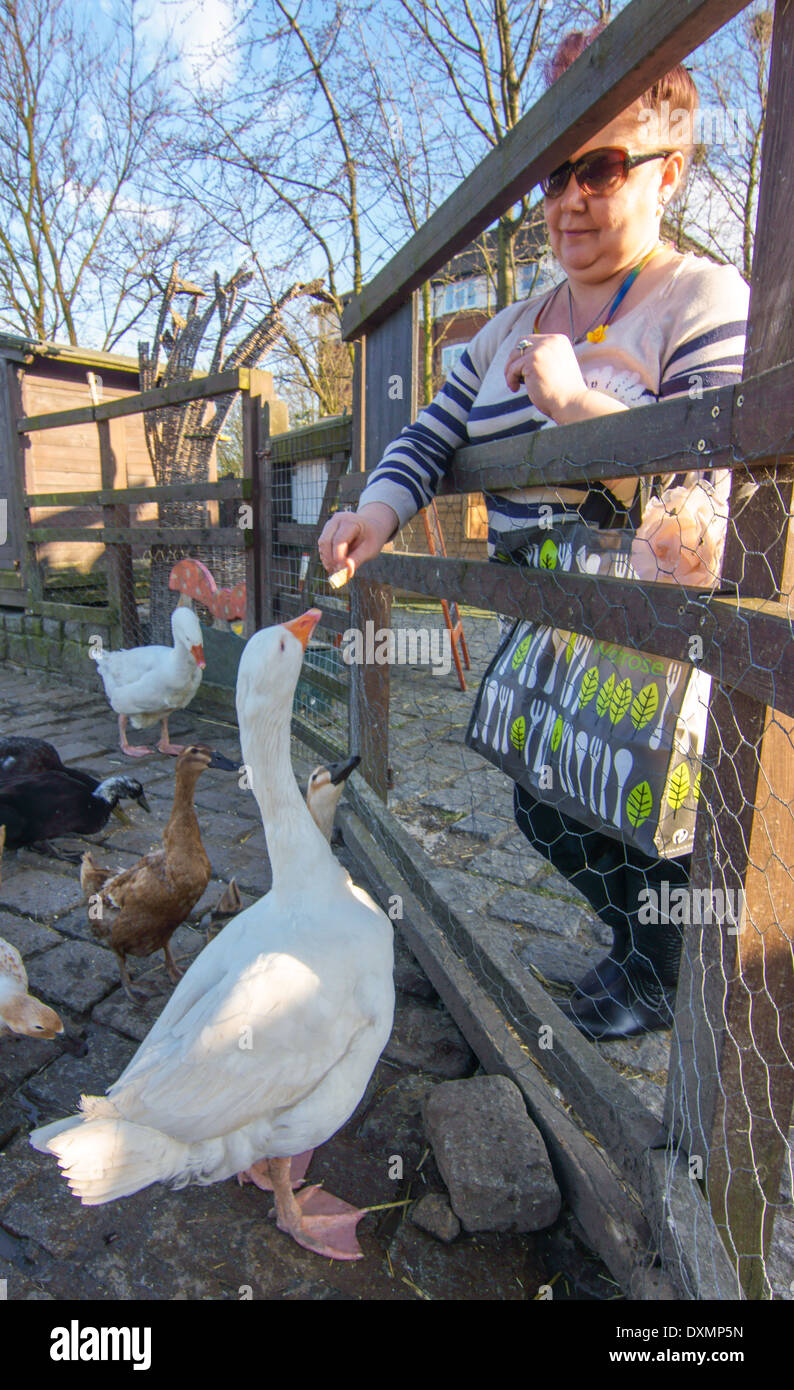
341 771
218 760
143 803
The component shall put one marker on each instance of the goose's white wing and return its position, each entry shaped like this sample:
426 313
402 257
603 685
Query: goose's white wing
254 1046
139 676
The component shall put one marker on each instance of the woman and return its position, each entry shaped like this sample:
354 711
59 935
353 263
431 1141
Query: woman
633 322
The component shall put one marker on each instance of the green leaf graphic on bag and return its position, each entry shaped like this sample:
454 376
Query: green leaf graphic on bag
588 687
520 652
645 705
678 787
556 734
605 695
639 804
548 555
621 699
571 643
696 788
518 732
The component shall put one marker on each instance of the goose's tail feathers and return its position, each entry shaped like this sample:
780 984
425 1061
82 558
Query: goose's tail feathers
104 1157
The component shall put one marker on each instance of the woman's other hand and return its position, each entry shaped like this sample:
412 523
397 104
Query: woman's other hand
682 537
348 539
549 369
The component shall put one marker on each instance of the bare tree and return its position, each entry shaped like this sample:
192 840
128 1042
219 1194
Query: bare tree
482 52
285 170
81 112
181 439
733 81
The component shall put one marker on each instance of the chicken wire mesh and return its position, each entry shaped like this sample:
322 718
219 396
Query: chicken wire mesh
629 766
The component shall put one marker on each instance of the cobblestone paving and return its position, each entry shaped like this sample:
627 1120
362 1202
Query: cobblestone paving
212 1242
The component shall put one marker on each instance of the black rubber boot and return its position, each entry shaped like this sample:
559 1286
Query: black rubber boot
637 1004
642 999
609 971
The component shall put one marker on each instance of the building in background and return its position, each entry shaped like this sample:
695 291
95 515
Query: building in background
464 291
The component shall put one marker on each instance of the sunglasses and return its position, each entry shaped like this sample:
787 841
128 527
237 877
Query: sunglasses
598 171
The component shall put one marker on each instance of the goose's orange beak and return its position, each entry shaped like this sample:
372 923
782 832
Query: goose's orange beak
304 626
197 654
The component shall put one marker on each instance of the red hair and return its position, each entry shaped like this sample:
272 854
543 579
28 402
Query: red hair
676 87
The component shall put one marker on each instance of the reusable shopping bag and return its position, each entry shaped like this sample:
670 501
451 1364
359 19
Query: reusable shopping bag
611 735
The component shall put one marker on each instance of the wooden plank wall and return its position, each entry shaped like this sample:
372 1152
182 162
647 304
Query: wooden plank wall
11 549
69 458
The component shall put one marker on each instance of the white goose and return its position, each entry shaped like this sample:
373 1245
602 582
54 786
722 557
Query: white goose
267 1044
146 684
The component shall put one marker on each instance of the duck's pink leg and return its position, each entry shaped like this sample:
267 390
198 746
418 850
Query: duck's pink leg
125 746
259 1173
165 744
314 1219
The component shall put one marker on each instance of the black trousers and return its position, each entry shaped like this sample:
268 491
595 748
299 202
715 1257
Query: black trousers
611 875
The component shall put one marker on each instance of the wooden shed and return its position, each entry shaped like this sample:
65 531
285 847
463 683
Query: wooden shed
36 378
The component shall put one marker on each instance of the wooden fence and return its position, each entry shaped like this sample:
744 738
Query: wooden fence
731 1081
258 525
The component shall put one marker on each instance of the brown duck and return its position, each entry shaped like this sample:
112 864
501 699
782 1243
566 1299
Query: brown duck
138 910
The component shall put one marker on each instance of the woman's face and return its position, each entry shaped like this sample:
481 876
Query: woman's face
593 236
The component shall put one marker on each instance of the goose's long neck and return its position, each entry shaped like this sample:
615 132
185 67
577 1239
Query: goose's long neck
293 840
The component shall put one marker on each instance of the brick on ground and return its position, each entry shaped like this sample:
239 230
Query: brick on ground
491 1156
58 1087
29 937
40 895
75 973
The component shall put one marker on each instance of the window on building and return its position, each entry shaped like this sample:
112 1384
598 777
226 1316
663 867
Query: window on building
451 355
471 293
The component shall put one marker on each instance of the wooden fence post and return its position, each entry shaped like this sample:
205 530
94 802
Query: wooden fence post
370 611
731 1080
13 486
118 556
258 466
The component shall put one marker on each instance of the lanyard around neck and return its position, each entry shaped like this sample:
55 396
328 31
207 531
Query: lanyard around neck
595 334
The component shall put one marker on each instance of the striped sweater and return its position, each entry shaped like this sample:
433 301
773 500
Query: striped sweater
686 333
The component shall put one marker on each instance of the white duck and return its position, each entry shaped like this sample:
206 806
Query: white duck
146 684
268 1042
19 1011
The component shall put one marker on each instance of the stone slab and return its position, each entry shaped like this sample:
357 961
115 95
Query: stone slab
58 1088
28 937
42 895
491 1156
427 1039
76 973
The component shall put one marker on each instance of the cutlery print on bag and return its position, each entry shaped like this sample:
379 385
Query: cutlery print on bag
597 728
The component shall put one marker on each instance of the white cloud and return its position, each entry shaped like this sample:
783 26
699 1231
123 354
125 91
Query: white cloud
197 31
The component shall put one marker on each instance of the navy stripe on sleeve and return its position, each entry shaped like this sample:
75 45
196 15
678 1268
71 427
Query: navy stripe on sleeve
702 340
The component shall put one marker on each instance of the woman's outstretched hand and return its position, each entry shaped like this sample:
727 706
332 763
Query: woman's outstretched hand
348 539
